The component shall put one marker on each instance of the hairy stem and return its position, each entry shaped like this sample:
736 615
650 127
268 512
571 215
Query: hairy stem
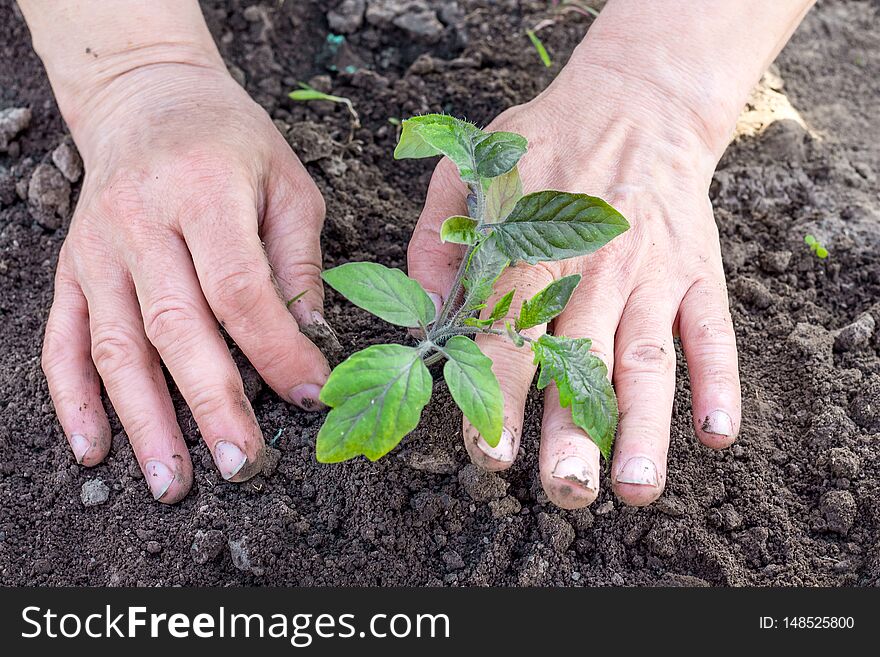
452 331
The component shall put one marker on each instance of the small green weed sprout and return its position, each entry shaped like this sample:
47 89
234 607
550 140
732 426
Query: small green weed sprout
305 93
820 251
539 46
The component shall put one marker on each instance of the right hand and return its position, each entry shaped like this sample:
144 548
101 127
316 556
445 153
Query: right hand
193 211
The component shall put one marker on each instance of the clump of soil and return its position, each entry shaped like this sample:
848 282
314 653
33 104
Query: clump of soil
793 502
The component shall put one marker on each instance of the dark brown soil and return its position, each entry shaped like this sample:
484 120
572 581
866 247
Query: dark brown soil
795 502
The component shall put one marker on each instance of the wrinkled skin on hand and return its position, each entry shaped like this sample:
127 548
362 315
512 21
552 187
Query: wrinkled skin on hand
194 214
662 278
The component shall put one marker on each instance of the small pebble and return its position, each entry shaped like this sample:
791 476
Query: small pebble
94 492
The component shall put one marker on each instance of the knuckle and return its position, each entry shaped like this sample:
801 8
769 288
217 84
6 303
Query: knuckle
311 201
211 400
238 292
646 355
122 196
274 357
115 348
54 352
167 318
712 330
530 278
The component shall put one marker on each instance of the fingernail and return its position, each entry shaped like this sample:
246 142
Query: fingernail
159 478
307 397
718 423
575 470
438 303
229 459
503 451
318 318
638 470
80 445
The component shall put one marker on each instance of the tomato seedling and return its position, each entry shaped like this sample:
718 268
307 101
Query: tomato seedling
377 395
816 247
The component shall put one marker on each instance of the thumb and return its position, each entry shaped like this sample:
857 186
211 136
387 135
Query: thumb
431 262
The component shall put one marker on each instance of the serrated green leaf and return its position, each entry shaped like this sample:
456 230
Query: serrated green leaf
550 225
582 379
484 267
377 396
473 386
387 293
478 323
439 134
502 307
498 152
459 230
547 303
502 194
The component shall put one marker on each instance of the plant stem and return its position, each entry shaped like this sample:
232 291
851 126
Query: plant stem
443 319
452 331
441 322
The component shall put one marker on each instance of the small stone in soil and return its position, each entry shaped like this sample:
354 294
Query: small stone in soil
865 408
154 547
838 507
506 506
752 292
94 492
207 545
605 508
13 120
68 161
241 558
48 196
347 17
775 262
855 335
555 532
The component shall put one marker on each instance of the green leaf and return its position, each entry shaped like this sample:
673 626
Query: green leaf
582 379
439 134
473 386
477 154
551 225
821 252
502 194
377 396
515 337
387 293
498 152
539 46
810 240
502 307
499 310
459 230
547 303
484 267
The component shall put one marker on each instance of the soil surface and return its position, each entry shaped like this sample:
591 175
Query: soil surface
794 502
